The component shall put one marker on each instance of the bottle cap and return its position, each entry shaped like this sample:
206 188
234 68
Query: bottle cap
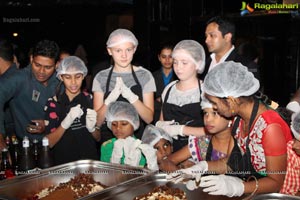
25 142
45 141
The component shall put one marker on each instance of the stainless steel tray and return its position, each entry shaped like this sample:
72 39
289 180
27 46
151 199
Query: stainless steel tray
145 184
273 196
108 174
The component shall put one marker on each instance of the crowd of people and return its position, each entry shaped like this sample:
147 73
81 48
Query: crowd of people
197 116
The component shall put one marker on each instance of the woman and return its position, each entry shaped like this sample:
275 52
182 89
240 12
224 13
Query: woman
181 113
261 134
123 82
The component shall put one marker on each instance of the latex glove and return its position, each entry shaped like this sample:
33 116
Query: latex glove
91 119
222 185
115 93
128 94
194 172
117 152
75 112
192 184
160 124
150 154
132 153
171 127
293 106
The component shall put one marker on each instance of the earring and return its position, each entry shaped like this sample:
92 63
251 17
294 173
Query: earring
232 112
229 124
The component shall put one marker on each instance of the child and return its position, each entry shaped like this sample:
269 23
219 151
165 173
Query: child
70 118
214 146
159 140
122 119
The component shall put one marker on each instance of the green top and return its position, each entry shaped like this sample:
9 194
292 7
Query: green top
107 149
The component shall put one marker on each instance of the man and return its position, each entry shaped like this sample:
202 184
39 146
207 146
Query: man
7 68
28 90
220 36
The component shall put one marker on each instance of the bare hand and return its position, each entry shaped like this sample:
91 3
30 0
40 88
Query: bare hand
38 128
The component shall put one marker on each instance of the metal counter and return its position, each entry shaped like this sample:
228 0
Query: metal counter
24 186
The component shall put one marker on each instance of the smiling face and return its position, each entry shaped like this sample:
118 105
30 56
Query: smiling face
164 148
43 68
122 54
122 129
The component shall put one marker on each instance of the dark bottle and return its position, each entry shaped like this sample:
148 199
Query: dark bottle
26 161
45 159
35 149
15 155
6 169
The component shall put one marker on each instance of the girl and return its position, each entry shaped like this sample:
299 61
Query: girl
123 82
181 99
70 118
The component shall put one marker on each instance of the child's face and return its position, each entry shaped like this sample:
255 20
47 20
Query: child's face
72 83
122 129
214 123
164 148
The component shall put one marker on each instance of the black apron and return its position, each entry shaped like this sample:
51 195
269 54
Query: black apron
189 114
241 165
106 133
77 142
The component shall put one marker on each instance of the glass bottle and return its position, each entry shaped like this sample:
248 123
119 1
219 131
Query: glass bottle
45 159
15 155
26 161
35 149
6 169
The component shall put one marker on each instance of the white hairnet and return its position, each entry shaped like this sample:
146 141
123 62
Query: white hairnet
295 125
204 102
194 50
120 36
152 134
230 79
71 65
120 110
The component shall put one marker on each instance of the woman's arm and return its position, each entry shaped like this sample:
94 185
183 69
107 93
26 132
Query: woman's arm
100 107
145 108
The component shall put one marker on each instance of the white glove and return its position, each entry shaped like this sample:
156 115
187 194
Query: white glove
90 120
132 153
293 106
222 185
75 112
192 184
128 94
115 93
171 127
117 151
194 172
150 154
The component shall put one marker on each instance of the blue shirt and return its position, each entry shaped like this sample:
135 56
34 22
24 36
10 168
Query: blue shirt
27 99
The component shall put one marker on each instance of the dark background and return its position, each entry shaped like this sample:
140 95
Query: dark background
89 22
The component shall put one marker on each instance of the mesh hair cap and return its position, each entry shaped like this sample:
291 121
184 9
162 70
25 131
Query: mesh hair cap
152 134
71 65
120 110
194 50
295 125
120 36
230 79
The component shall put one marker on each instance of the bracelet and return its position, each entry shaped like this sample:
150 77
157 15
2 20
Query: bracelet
256 186
97 128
